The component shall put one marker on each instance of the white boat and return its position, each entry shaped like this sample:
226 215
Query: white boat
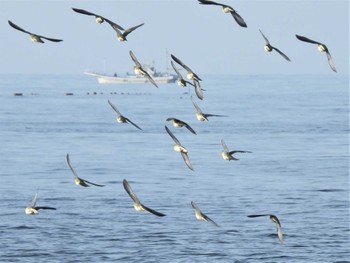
159 78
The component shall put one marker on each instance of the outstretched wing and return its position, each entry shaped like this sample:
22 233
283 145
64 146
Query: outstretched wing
133 57
84 12
208 219
224 146
196 106
198 89
187 160
178 61
177 72
281 53
99 185
17 27
330 61
305 39
189 128
33 202
213 115
253 216
114 108
172 135
129 30
239 19
266 40
150 79
130 192
152 211
132 123
207 2
233 152
50 39
71 167
45 207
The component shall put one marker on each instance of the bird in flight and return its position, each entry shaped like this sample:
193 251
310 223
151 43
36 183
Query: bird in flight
268 47
322 48
77 179
32 209
203 116
180 80
120 118
227 154
226 9
179 148
139 70
274 219
136 201
122 35
180 123
200 216
34 37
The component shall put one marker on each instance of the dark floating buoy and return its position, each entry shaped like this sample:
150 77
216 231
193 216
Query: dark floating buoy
68 94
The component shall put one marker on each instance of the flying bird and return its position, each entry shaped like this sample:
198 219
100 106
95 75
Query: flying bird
180 123
180 80
139 70
77 179
136 202
32 209
34 37
122 35
99 19
227 154
191 76
322 48
226 9
120 118
274 219
179 148
200 215
203 116
269 48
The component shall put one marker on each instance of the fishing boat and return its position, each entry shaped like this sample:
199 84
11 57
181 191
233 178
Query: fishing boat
159 77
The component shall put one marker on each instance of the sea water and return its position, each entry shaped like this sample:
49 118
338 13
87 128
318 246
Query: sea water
296 126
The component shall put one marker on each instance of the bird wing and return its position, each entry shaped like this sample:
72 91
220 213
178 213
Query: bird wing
116 27
129 30
253 216
239 19
187 160
152 211
190 83
86 181
172 135
266 40
281 53
133 57
84 12
132 123
207 2
305 39
189 128
233 152
150 79
45 207
18 28
198 89
170 119
33 202
224 146
130 192
178 61
214 115
114 108
50 39
196 106
177 72
208 219
330 61
71 167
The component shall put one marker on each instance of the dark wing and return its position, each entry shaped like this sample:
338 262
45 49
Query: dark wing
233 152
150 79
330 61
196 106
189 128
17 27
99 185
178 61
129 30
198 89
172 135
206 218
84 12
266 40
224 146
239 19
177 72
130 192
133 57
278 226
190 83
187 160
114 108
132 123
152 211
207 2
116 27
281 53
305 39
45 207
253 216
71 167
213 115
50 39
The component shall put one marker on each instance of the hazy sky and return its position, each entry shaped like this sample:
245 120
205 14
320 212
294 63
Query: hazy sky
205 38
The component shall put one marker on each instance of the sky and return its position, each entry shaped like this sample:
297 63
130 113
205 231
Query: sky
203 37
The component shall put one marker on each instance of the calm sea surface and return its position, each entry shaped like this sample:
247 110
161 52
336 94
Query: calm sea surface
297 128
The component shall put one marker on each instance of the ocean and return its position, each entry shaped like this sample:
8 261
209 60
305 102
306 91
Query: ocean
296 127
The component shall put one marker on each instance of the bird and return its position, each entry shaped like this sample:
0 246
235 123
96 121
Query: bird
226 9
77 179
191 76
269 48
33 37
322 48
180 80
139 70
203 116
179 148
99 19
122 36
227 154
274 219
120 118
136 202
32 209
200 215
180 123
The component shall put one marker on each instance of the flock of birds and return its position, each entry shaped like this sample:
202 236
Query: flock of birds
193 80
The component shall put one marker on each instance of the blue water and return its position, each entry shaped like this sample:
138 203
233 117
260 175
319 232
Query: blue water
296 126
